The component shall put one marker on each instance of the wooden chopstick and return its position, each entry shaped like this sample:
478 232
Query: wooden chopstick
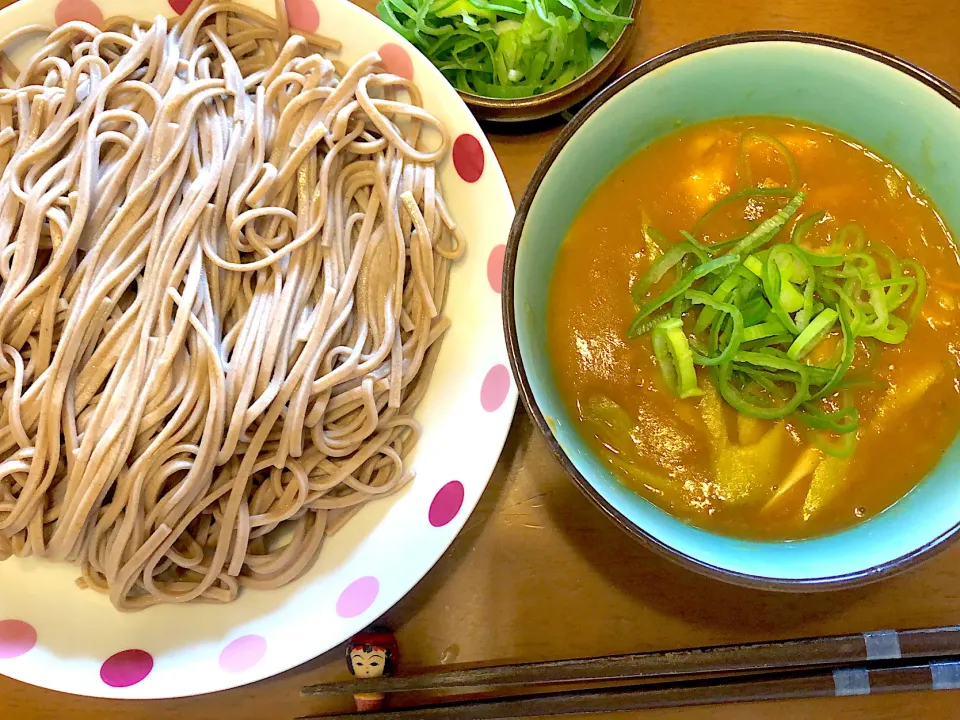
893 677
753 657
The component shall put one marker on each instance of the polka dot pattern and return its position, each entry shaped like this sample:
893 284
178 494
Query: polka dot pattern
358 596
84 10
495 267
468 158
243 653
303 15
365 588
126 668
16 638
495 387
446 504
396 60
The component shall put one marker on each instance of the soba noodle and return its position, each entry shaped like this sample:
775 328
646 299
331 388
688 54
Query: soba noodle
222 268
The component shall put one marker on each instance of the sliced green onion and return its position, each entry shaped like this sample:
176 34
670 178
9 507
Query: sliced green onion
842 449
696 243
735 398
754 265
895 331
772 361
846 305
844 420
755 311
649 323
741 195
921 292
846 360
720 247
814 374
733 337
787 262
763 330
818 258
653 239
843 423
896 291
804 225
719 295
679 306
749 285
662 265
767 342
813 333
743 167
790 298
774 288
509 48
672 350
843 244
756 322
679 288
810 307
767 230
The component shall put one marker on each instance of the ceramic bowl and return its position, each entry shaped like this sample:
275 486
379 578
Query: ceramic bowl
541 106
899 110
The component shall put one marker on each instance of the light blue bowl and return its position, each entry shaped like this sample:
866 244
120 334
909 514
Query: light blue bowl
904 113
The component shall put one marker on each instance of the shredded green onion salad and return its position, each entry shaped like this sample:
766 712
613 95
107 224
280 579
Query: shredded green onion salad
754 310
509 48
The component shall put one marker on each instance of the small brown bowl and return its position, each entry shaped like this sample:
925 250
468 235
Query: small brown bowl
556 101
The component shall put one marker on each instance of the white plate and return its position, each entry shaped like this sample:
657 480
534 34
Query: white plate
57 636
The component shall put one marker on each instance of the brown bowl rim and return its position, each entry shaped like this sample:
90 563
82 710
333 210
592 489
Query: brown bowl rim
537 107
834 582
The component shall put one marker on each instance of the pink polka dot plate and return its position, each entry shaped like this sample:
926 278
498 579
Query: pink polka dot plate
54 635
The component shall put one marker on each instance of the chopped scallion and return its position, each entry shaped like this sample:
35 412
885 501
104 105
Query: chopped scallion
756 322
672 350
509 48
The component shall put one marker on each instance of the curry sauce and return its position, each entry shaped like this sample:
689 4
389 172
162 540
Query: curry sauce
698 458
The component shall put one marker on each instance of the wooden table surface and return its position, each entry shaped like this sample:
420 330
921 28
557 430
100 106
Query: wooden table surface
538 573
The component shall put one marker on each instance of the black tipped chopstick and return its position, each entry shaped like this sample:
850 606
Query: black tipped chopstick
893 677
803 654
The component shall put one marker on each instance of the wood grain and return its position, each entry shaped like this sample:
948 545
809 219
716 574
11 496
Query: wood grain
538 574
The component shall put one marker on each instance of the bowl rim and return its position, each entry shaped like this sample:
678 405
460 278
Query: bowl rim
832 582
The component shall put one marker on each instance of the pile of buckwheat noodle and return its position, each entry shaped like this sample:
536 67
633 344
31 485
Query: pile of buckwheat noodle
222 266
